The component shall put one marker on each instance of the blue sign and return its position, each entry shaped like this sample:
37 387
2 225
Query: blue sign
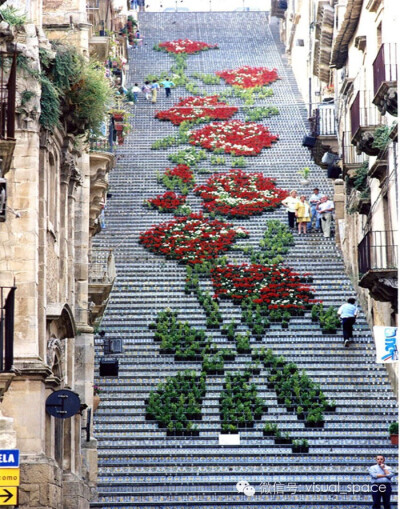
9 458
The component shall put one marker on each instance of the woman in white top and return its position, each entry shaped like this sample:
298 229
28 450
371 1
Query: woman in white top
290 203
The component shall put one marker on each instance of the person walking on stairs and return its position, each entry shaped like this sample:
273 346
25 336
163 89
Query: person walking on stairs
154 89
135 91
325 209
303 214
314 200
146 89
290 203
348 313
167 84
381 483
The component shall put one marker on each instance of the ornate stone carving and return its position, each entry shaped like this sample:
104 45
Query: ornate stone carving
54 356
364 144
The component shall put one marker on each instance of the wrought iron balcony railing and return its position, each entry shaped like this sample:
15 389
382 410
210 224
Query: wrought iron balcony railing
385 65
378 251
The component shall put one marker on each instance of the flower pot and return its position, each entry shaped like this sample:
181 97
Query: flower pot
118 127
282 440
96 402
394 439
314 424
268 433
118 117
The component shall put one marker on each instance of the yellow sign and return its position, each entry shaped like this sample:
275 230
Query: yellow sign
9 477
8 496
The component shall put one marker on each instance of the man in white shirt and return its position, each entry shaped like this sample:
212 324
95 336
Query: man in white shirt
325 209
290 203
381 483
314 200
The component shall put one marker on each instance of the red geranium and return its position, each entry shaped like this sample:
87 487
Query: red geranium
277 287
240 194
181 172
191 239
233 136
193 108
185 46
166 202
249 77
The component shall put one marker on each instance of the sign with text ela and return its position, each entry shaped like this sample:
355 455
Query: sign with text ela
9 458
9 477
386 344
8 496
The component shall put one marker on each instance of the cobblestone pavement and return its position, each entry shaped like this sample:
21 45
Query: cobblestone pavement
139 466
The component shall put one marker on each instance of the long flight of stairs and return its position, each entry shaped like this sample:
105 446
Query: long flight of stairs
139 466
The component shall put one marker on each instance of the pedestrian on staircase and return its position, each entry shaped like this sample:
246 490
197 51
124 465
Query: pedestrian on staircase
302 214
314 201
146 89
154 89
167 84
135 91
381 483
290 203
348 313
325 210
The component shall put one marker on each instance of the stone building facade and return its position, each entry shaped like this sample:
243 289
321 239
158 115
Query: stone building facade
351 54
56 188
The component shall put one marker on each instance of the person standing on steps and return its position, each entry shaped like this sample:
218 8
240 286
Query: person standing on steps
154 89
303 214
381 483
167 84
135 91
290 203
325 210
314 201
348 313
146 89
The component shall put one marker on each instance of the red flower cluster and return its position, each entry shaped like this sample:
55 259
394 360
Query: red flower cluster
191 239
167 202
249 77
234 137
186 46
181 172
240 194
277 287
192 108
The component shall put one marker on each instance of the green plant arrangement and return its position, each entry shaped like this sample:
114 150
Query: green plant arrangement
177 403
239 404
207 79
394 432
381 137
274 245
253 114
305 172
189 156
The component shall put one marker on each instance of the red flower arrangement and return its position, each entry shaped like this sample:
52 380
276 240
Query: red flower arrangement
191 239
167 202
277 287
185 46
234 137
193 108
249 77
240 194
181 172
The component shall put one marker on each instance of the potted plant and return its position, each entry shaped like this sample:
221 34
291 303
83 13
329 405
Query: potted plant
270 429
96 397
394 433
305 173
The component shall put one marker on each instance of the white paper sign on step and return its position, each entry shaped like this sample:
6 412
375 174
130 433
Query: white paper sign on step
386 339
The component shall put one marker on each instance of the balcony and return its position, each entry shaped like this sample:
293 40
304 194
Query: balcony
351 158
377 265
385 79
278 8
102 275
7 304
364 120
7 109
323 128
379 170
99 45
101 163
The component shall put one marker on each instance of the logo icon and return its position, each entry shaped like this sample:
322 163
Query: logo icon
245 488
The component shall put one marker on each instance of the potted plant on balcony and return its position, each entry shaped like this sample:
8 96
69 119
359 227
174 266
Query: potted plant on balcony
96 397
394 433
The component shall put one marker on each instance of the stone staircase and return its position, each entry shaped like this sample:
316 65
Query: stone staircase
139 465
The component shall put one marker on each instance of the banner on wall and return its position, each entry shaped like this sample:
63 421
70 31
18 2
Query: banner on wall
386 344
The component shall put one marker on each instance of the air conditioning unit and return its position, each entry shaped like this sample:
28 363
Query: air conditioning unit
334 172
309 141
108 367
329 158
